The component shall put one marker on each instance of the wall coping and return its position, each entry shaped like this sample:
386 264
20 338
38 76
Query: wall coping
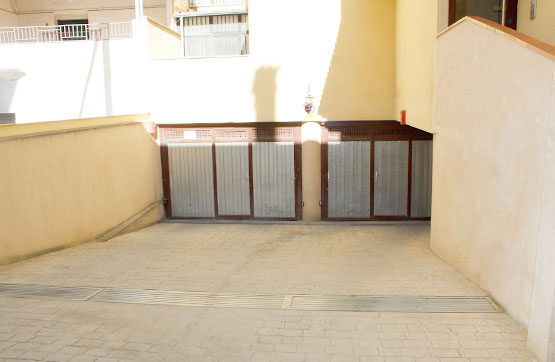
163 28
24 130
533 44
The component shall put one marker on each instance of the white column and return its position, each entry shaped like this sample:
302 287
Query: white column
139 11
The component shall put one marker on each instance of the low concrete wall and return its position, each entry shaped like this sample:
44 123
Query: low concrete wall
493 195
69 182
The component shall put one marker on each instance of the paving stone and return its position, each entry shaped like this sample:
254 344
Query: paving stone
272 259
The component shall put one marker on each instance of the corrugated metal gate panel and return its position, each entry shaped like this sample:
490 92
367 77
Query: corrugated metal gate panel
391 178
191 179
274 179
349 179
232 173
421 194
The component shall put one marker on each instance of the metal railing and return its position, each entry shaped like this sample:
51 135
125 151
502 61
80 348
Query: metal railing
46 34
196 3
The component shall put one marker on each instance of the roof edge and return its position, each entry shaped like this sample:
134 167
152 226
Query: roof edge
533 44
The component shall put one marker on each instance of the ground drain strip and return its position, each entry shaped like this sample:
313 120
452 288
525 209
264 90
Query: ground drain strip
393 304
261 301
198 299
43 292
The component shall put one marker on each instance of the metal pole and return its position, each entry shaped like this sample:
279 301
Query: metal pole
182 23
503 12
139 12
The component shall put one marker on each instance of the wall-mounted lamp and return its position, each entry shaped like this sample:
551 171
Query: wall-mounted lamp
309 103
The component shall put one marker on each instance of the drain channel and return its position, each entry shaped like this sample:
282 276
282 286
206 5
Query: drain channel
255 301
43 292
197 299
393 304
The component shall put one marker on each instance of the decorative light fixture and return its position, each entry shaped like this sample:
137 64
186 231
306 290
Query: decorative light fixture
309 103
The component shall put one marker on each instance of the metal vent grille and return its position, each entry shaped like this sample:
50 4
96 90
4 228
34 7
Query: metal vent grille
174 134
392 304
183 134
393 133
269 134
223 300
232 135
40 291
350 133
204 134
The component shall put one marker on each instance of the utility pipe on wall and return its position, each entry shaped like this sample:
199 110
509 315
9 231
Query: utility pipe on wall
139 9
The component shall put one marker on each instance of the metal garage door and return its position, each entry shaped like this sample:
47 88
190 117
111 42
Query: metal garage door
192 177
232 170
375 171
235 173
391 164
421 196
349 179
274 179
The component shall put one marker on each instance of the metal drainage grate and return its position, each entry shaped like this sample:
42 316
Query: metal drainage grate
40 291
260 301
395 304
195 299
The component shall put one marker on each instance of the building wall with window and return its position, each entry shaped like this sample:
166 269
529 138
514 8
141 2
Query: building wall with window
7 13
48 12
344 51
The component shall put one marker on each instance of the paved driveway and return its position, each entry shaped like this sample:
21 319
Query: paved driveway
251 259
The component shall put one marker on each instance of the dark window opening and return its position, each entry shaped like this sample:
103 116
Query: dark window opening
74 29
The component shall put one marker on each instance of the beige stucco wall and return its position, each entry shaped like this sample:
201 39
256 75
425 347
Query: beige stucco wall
163 43
311 133
543 26
344 50
416 30
67 187
7 14
541 331
47 12
491 126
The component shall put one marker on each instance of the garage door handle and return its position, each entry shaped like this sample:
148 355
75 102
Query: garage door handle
376 175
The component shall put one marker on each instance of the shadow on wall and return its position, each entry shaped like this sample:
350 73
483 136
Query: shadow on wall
264 91
361 76
8 85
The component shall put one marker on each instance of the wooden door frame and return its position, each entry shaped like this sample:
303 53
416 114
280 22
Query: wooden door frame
370 131
252 137
453 13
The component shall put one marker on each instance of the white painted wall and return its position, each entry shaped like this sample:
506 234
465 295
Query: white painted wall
75 79
344 50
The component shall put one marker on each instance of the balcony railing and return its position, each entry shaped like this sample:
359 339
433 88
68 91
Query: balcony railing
197 3
46 34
